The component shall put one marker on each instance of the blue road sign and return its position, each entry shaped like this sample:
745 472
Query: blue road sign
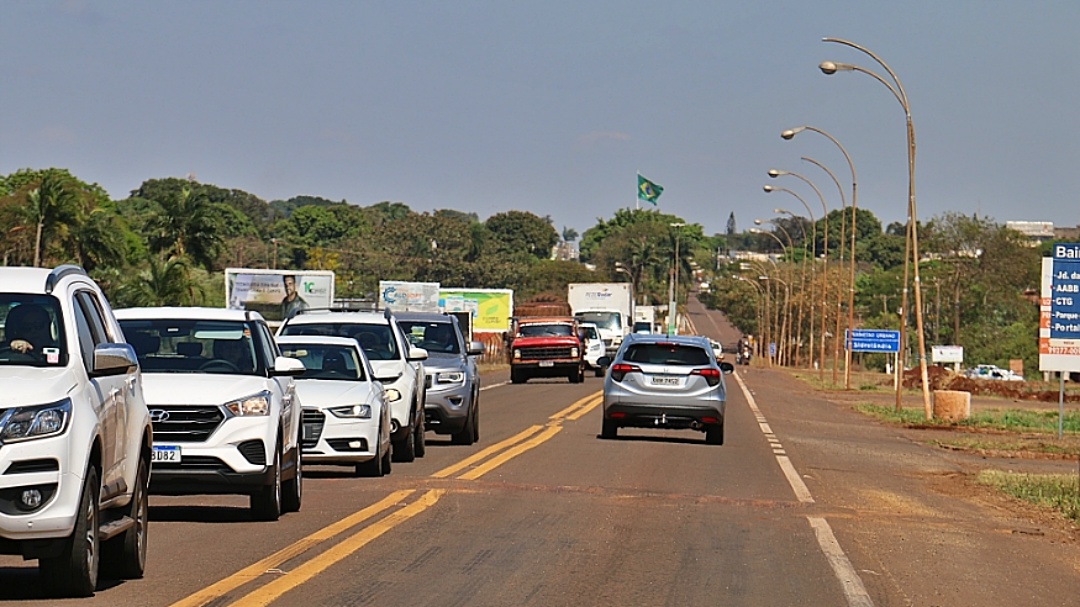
873 340
1065 292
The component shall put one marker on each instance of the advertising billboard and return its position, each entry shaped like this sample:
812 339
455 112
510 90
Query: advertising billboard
278 294
402 296
491 309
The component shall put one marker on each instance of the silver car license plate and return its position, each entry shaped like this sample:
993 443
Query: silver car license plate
662 380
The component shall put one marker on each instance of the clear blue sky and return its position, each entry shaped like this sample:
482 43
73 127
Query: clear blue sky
552 107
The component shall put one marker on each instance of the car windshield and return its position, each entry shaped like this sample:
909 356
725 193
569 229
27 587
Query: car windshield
169 345
552 330
666 354
603 320
323 361
590 333
377 340
33 331
438 337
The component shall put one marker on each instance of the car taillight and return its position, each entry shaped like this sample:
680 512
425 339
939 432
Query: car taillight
619 371
711 375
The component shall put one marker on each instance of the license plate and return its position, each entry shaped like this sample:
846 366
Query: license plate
665 381
547 363
165 453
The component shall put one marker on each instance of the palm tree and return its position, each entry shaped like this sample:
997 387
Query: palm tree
165 282
186 226
53 209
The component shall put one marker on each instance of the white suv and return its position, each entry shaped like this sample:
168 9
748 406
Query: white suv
222 400
75 434
392 356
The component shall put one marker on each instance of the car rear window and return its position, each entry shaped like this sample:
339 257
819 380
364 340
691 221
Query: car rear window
666 354
377 340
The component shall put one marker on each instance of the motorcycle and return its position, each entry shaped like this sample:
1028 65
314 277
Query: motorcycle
742 357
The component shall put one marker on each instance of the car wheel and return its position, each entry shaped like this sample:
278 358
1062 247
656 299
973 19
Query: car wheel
405 449
599 371
714 435
610 429
293 489
468 433
517 377
266 502
375 466
124 556
74 573
421 443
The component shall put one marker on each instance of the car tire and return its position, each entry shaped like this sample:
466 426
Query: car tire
714 435
468 433
293 489
420 442
609 430
405 449
74 573
374 467
124 556
599 371
266 502
517 377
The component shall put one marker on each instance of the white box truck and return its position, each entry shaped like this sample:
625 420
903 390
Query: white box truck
608 305
644 319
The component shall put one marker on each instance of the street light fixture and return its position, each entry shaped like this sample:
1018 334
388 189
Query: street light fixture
813 266
789 134
840 251
897 89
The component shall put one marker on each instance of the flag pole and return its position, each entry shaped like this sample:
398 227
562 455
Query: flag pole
637 199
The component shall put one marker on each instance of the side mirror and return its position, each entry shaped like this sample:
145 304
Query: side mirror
604 361
475 348
114 359
416 354
726 368
292 367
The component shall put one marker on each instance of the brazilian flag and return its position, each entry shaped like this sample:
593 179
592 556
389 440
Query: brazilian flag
647 190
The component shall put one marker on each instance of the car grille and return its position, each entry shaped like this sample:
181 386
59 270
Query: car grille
545 353
185 424
313 421
195 462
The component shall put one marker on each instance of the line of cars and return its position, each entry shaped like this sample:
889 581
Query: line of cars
107 406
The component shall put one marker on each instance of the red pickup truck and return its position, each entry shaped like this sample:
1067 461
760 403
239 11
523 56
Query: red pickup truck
546 347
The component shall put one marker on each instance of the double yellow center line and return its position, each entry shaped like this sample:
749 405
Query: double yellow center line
473 466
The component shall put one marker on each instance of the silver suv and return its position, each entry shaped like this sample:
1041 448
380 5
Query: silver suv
392 357
75 433
453 376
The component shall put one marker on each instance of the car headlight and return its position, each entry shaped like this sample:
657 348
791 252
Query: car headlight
27 423
352 411
256 404
517 354
573 352
449 377
393 395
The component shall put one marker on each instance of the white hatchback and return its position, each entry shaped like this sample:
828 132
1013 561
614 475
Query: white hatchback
346 417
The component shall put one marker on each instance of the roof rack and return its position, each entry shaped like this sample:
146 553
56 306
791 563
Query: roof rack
60 272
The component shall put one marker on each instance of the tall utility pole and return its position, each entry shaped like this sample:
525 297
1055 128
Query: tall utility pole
672 309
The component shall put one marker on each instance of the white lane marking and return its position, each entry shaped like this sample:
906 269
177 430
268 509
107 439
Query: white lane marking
854 591
490 386
793 478
852 585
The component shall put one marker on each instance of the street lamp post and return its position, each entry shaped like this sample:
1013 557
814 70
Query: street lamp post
784 328
760 308
802 283
840 251
897 89
672 309
774 173
788 134
813 267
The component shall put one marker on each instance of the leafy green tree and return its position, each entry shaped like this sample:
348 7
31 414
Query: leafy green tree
522 234
185 225
164 282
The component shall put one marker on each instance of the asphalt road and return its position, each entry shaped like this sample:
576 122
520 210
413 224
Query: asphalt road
806 504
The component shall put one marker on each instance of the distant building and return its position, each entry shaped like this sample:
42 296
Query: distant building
1067 234
1037 232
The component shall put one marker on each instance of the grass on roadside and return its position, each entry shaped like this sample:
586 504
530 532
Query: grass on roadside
1059 492
1043 421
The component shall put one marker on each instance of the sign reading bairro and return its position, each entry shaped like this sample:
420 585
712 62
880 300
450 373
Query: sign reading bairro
1059 310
